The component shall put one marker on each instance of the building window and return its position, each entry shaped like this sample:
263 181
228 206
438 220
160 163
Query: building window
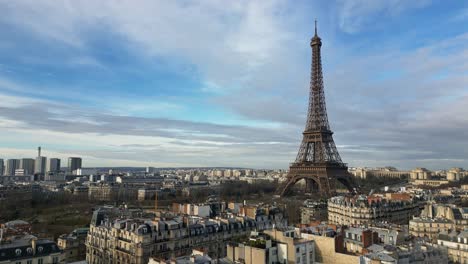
55 260
40 261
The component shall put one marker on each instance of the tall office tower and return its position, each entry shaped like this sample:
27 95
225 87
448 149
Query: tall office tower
2 167
54 165
40 164
74 163
11 166
28 166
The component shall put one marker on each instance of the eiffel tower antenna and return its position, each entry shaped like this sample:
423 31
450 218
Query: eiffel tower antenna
315 27
318 160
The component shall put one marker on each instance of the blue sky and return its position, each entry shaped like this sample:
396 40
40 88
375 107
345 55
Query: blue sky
225 83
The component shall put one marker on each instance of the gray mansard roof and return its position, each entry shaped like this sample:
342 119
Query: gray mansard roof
22 249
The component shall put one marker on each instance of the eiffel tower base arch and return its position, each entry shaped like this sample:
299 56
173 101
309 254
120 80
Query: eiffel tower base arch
318 180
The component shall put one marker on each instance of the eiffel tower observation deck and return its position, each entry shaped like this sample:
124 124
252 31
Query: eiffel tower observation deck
318 161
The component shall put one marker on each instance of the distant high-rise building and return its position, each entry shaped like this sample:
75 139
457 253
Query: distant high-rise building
40 165
11 166
74 163
2 167
27 165
54 165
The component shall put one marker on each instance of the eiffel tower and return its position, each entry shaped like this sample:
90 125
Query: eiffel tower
318 161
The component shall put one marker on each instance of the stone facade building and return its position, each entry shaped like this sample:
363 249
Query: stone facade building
432 183
329 249
428 227
125 236
112 192
420 174
73 244
456 244
437 218
364 210
357 239
272 246
313 211
388 172
456 174
422 253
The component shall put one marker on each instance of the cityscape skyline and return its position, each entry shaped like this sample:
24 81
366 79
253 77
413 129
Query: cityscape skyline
157 132
115 86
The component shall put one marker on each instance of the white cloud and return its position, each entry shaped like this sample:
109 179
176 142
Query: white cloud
355 15
104 139
228 42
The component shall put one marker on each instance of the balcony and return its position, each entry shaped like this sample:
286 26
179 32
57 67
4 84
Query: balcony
124 250
124 239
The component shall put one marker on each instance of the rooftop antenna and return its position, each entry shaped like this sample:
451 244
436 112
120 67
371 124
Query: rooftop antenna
315 27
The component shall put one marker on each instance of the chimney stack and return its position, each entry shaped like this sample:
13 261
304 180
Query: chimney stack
34 244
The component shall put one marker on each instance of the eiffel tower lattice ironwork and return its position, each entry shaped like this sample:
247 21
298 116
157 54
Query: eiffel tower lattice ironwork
318 160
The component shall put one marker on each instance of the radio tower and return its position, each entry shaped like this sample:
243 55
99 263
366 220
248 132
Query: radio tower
318 160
